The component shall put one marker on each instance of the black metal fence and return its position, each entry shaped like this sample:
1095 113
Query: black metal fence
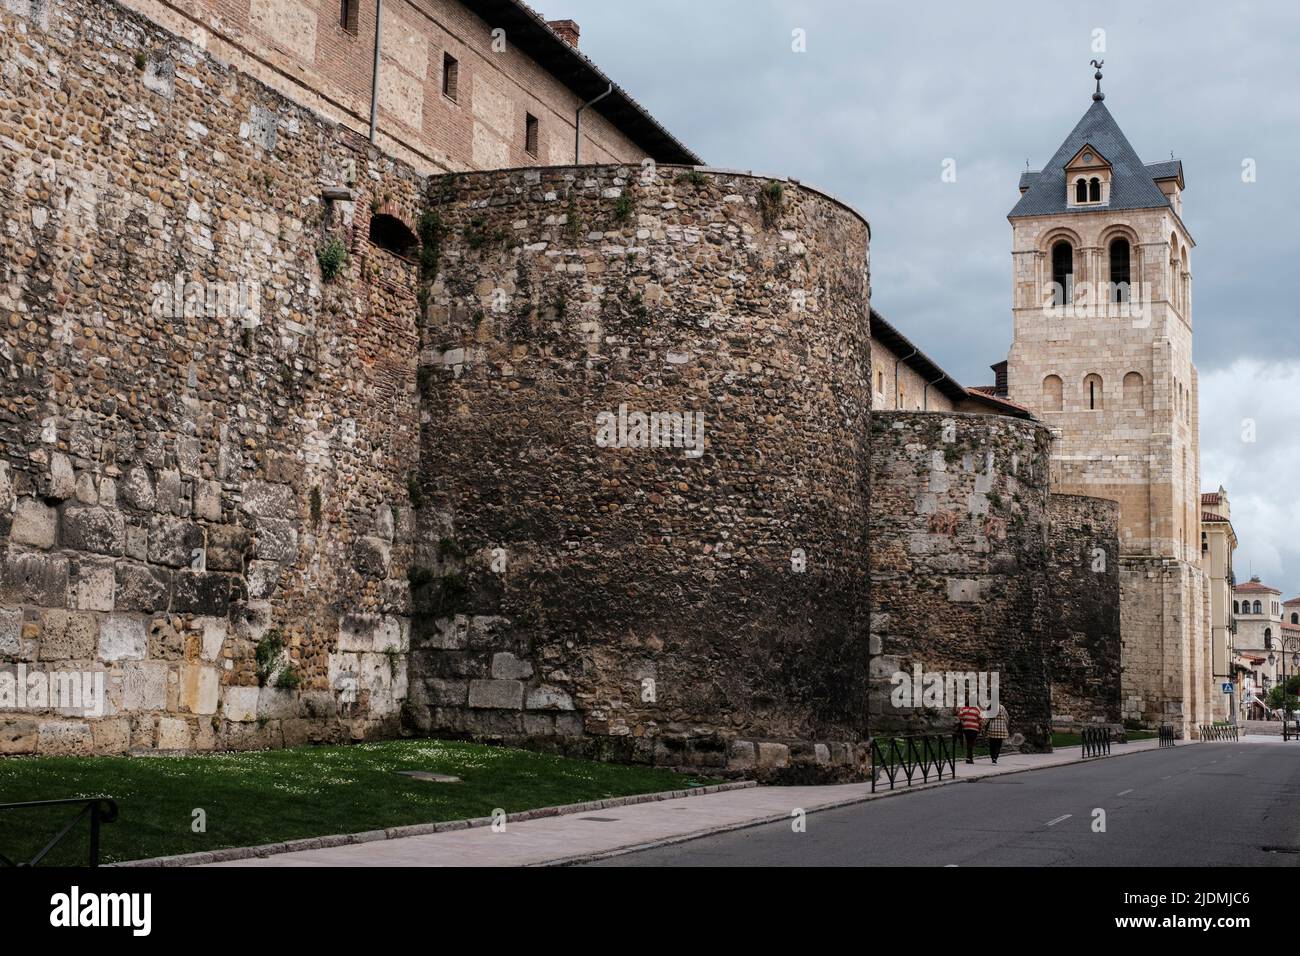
98 810
1167 735
1096 741
1291 730
913 755
1218 731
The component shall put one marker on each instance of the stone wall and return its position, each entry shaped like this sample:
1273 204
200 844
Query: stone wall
959 547
646 603
1084 613
204 447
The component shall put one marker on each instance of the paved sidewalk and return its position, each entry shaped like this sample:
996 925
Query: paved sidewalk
598 833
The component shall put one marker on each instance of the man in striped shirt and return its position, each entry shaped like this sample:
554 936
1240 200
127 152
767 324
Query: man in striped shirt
968 719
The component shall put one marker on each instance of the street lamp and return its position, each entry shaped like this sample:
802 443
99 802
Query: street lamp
1290 642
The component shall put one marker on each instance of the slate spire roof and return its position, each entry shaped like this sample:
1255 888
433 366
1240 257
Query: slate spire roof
1133 184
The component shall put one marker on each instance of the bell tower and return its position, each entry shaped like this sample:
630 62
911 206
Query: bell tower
1102 351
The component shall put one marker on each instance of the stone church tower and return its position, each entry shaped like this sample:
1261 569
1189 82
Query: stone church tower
1102 351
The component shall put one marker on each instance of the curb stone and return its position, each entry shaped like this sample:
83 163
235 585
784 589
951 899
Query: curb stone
234 853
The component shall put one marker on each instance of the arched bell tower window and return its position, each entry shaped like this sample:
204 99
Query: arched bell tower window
1062 272
1094 190
1119 270
1081 191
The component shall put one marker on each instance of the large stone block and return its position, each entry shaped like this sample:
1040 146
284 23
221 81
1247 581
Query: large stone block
111 735
229 546
68 635
142 588
239 704
65 738
37 579
95 529
277 540
201 592
200 688
35 524
18 735
270 500
11 632
174 733
122 638
93 585
138 490
174 541
497 694
144 685
508 667
548 698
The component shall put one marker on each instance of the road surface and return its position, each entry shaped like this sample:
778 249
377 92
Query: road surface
1213 804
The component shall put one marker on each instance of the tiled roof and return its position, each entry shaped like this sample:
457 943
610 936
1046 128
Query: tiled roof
1293 601
1210 516
1210 498
988 394
1132 185
1253 587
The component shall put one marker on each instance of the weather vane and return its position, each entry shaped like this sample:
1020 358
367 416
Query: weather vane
1099 95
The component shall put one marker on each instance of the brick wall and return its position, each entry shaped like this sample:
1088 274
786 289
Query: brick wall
300 48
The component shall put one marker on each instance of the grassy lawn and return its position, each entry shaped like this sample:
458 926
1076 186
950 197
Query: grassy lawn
273 795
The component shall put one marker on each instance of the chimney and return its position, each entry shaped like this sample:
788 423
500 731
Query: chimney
567 29
1000 379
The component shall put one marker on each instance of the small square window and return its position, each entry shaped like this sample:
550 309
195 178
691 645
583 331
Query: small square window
450 76
348 13
530 134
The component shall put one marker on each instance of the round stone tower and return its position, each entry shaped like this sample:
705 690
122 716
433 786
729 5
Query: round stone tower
644 472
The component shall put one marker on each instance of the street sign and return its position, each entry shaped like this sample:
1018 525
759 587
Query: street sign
1227 687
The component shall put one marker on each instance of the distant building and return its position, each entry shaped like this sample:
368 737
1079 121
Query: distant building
1258 609
1218 542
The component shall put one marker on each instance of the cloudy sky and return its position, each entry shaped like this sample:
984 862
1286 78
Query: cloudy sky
886 92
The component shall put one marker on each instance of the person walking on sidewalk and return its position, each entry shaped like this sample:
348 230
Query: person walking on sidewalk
968 720
996 730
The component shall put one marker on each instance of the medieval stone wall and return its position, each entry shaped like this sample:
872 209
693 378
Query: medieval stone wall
652 604
959 548
204 447
1084 613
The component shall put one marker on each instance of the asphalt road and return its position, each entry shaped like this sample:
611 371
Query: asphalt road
1214 804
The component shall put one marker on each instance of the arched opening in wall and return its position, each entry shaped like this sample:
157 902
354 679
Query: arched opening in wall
1295 618
1092 392
393 235
1080 191
1134 390
1235 608
1268 638
1062 273
1119 270
1258 608
1185 284
1053 394
1172 293
1094 190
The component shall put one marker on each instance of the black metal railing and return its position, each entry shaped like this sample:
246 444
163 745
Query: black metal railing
1218 731
1167 735
1096 741
1291 730
908 756
98 810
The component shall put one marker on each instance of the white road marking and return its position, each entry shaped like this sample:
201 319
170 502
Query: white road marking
1052 823
1122 792
1166 776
